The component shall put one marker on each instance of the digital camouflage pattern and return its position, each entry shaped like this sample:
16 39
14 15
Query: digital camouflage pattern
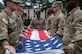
38 23
73 28
8 31
57 24
19 21
48 22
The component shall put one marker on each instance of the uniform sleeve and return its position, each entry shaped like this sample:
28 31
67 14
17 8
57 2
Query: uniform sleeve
48 23
31 23
78 26
61 23
3 32
5 42
71 45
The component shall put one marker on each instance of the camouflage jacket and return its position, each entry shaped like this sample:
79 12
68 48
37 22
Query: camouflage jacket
38 23
19 21
57 24
73 25
8 28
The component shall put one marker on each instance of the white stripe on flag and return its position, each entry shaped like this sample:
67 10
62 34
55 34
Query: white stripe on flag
35 35
46 32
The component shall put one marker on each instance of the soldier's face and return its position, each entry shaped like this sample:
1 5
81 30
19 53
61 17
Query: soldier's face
56 8
20 9
12 5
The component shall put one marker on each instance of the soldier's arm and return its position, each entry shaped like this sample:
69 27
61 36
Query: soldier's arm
48 23
78 25
61 23
3 32
4 35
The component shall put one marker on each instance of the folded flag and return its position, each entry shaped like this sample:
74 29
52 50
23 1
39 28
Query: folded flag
35 34
42 45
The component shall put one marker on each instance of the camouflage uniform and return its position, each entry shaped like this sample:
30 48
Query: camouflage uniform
38 23
73 25
57 22
9 34
48 22
73 31
76 45
8 31
19 22
18 16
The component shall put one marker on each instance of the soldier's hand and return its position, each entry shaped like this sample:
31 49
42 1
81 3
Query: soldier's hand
28 27
10 48
67 49
49 33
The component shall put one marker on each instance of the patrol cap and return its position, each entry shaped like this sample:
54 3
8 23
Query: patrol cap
57 3
77 38
18 2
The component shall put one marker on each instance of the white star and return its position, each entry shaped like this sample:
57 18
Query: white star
59 45
55 42
38 49
46 44
28 41
37 45
52 38
48 48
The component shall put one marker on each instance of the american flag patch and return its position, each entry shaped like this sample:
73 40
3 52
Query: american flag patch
5 20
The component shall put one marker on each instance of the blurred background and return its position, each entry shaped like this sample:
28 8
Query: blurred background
31 6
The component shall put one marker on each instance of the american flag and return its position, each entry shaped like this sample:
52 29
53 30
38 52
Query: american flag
35 34
42 45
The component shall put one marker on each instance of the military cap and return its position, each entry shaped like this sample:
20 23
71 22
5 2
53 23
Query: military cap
77 38
19 2
57 3
16 1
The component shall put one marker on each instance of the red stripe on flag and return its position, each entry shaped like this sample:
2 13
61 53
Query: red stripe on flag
42 35
28 34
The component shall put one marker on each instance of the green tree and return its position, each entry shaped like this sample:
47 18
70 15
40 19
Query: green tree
1 5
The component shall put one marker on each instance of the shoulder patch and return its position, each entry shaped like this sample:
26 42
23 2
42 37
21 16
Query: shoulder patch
5 20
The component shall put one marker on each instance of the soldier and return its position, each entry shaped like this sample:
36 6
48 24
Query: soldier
73 25
50 18
49 12
76 45
57 23
18 16
8 28
38 22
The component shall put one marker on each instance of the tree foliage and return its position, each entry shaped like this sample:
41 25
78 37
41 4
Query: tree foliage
1 5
